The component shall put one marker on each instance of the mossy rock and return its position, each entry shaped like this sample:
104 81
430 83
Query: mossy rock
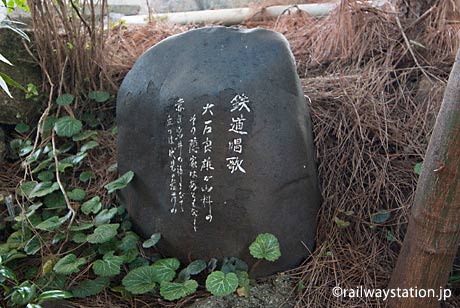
24 71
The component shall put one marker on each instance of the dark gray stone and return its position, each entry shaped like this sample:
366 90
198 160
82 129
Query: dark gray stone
245 82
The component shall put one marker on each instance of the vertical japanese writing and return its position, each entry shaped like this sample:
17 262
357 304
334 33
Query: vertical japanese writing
172 161
175 137
193 149
206 165
239 105
191 153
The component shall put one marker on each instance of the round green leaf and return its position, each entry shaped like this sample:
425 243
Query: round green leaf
43 189
220 284
233 264
22 127
85 176
88 146
138 262
165 269
120 183
79 237
77 194
109 266
93 205
174 290
6 272
33 246
103 233
67 126
23 294
152 241
381 216
266 246
46 176
74 159
196 267
243 278
48 125
90 119
99 96
140 280
128 242
65 99
90 287
15 240
50 224
55 200
68 264
26 188
104 216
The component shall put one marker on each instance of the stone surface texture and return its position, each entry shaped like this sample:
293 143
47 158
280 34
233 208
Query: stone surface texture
16 109
258 175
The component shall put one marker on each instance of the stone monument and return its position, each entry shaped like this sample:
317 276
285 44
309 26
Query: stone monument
216 128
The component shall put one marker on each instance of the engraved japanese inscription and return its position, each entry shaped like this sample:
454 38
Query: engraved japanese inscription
191 159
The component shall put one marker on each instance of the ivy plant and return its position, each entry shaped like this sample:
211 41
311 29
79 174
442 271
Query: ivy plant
77 230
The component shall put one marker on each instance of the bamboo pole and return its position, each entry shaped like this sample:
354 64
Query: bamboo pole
433 233
232 16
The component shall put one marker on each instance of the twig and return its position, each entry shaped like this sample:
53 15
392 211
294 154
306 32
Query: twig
58 179
81 18
44 115
286 10
406 40
149 9
420 18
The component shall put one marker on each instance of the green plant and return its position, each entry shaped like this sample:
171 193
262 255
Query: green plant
50 202
418 168
76 229
11 4
25 293
5 80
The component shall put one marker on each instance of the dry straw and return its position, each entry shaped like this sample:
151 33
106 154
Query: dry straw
374 82
373 100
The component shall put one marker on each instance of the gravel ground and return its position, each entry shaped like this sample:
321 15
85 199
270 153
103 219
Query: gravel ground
274 293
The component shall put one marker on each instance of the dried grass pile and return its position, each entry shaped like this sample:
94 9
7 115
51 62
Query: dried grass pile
129 43
378 86
375 83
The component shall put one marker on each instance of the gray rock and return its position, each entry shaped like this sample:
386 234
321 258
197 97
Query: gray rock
24 71
215 126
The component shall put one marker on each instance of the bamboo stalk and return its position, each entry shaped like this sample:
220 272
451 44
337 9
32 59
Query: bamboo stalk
232 16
